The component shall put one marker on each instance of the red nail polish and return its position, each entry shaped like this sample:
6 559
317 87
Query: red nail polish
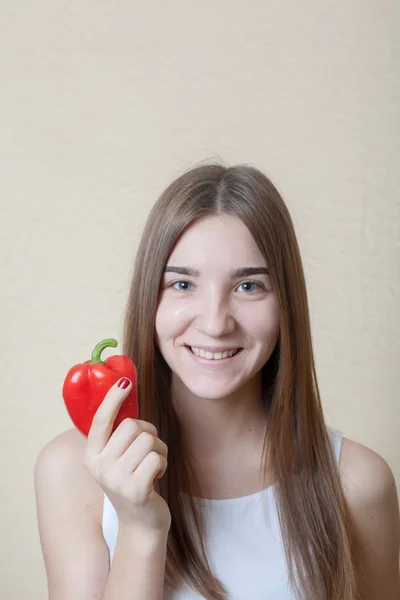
123 384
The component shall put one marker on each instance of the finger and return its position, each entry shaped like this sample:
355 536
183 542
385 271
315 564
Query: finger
146 472
143 445
104 418
126 432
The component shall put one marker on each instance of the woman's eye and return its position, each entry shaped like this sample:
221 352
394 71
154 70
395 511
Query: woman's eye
247 284
180 289
252 283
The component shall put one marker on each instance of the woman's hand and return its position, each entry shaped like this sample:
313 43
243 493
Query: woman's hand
126 464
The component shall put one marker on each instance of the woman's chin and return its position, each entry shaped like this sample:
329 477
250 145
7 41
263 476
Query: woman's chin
213 392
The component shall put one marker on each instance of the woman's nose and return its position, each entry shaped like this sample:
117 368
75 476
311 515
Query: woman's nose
215 319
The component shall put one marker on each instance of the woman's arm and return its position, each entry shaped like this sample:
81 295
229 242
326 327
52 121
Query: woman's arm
69 505
371 497
67 502
138 568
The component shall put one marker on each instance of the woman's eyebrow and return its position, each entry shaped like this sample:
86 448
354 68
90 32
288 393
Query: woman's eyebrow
235 274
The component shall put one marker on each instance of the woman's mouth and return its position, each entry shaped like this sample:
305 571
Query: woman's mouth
213 359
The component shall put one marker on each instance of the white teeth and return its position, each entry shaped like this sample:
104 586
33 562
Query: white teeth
211 355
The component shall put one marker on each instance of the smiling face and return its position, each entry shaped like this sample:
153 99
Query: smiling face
217 308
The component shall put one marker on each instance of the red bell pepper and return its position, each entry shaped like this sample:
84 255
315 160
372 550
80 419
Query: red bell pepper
86 385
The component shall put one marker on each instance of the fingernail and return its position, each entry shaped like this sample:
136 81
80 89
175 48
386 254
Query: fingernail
123 383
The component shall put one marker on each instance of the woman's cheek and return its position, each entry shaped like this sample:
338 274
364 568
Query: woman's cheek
262 322
170 318
180 313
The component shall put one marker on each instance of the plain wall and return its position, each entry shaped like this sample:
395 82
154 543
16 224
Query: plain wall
102 105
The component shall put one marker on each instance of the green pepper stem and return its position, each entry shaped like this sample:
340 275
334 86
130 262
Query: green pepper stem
99 349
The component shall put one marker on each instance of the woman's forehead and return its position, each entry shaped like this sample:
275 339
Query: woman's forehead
213 235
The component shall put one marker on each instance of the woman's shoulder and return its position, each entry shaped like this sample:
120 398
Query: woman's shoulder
362 467
370 491
61 461
69 506
357 462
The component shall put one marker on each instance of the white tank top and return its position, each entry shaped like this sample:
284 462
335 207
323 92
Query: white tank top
243 543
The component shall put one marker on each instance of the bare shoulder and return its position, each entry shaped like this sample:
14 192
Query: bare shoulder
69 505
365 474
61 460
72 437
66 444
371 496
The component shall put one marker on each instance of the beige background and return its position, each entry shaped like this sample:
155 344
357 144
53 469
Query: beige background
102 104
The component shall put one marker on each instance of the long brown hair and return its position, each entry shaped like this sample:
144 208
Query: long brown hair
310 501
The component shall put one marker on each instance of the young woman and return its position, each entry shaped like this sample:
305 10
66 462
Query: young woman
230 485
